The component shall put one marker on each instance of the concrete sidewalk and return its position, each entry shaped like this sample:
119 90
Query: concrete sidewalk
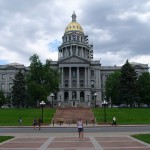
74 125
70 141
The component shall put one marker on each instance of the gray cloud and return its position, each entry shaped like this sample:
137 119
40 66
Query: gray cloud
128 33
119 29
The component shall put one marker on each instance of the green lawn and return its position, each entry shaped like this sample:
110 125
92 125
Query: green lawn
142 137
124 115
9 117
4 138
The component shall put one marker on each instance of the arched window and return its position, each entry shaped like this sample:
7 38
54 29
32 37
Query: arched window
10 86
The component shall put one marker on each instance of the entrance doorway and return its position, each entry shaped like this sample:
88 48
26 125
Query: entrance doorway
74 103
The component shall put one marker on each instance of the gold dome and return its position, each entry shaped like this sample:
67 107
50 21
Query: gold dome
74 26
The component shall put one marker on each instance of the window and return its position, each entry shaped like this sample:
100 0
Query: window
92 83
81 96
92 73
2 86
10 76
10 86
3 76
81 83
66 73
73 73
81 73
66 83
74 83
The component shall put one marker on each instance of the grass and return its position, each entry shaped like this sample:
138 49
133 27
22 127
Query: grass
9 117
123 115
143 137
5 138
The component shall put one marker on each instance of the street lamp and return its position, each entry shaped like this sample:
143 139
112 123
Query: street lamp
59 101
42 105
52 95
88 100
104 103
95 94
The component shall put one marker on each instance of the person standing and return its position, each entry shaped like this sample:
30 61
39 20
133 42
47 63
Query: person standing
114 121
80 128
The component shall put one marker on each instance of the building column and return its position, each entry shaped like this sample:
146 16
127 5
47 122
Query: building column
88 77
82 52
70 77
62 76
77 49
85 75
78 96
77 77
70 96
70 50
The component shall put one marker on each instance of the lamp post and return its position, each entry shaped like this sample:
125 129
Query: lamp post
59 102
42 105
95 94
52 95
88 100
104 103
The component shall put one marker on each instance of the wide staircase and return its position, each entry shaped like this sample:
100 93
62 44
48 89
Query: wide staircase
71 115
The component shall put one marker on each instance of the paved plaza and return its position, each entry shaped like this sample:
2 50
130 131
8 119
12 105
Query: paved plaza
70 141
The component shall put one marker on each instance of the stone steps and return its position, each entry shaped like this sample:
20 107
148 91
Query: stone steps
72 114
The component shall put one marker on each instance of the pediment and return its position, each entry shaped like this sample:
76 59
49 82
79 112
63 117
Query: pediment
73 59
10 68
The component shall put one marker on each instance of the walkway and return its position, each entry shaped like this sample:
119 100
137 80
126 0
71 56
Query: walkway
70 141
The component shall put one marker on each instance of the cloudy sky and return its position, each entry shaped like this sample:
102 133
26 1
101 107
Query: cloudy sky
118 29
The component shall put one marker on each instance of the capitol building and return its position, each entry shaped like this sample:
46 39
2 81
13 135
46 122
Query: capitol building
82 77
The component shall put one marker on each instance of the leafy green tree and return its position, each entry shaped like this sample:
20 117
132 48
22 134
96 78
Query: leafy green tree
42 80
112 87
128 84
144 88
19 90
2 98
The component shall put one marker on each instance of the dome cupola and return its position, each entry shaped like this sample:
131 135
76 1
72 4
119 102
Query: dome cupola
73 25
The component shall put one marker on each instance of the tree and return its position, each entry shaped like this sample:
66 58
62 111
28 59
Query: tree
128 84
19 90
144 88
2 98
112 87
42 80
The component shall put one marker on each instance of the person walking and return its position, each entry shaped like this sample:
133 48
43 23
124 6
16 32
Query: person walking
20 121
34 122
39 123
80 128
